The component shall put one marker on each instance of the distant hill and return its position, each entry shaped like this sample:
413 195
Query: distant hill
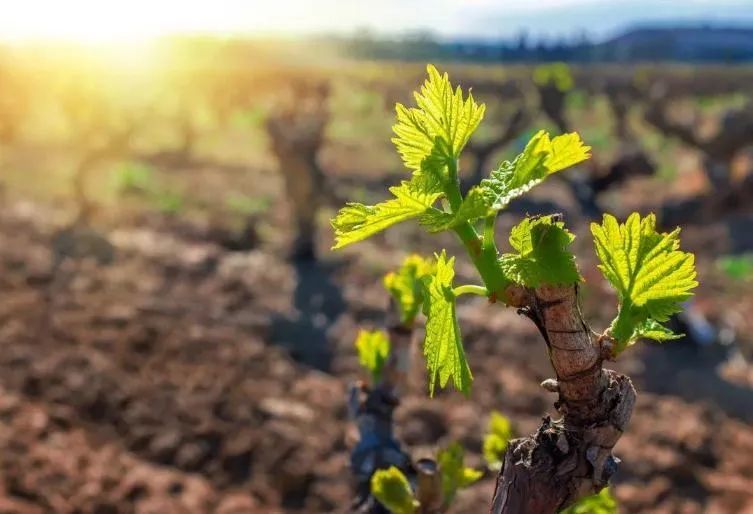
710 44
676 44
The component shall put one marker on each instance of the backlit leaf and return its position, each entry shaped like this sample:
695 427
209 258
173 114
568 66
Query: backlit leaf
391 488
651 274
443 349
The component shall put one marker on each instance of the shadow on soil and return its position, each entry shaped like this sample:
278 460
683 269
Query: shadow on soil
690 372
318 303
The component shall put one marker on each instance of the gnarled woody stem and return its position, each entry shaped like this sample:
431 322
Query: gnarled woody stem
570 458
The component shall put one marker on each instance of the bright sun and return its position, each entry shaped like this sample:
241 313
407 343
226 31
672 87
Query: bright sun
103 21
108 21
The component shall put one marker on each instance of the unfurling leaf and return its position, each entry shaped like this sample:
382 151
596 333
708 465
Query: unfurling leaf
651 274
406 287
455 475
652 329
496 441
443 349
541 157
391 488
602 503
356 222
373 349
542 255
440 124
474 206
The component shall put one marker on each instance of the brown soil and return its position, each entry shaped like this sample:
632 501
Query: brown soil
183 378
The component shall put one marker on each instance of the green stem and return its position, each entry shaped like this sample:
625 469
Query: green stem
470 289
485 261
490 245
453 186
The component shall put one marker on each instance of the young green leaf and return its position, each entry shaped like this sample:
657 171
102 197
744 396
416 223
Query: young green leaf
652 329
356 222
373 349
541 157
602 503
542 255
391 488
442 122
443 349
454 474
651 275
406 287
473 207
496 440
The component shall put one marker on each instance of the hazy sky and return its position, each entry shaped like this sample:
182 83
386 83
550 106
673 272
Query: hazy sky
123 19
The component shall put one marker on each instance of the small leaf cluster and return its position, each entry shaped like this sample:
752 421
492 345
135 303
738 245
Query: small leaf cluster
406 286
496 440
393 489
455 475
557 74
373 350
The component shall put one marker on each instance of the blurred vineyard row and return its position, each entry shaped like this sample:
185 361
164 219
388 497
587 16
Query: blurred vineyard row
87 119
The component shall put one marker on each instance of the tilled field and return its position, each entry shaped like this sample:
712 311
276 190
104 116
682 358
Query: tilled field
181 377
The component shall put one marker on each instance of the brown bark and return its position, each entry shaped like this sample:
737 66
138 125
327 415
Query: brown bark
569 458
